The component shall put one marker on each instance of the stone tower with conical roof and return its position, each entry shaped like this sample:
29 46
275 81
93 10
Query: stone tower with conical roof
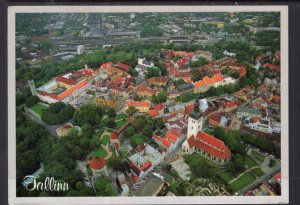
195 121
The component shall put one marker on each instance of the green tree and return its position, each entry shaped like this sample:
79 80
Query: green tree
116 163
32 101
111 112
129 131
130 111
136 140
104 187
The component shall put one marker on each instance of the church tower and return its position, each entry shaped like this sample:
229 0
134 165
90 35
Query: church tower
195 121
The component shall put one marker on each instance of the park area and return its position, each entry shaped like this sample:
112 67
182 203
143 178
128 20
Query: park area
242 181
121 120
99 152
235 181
38 108
124 154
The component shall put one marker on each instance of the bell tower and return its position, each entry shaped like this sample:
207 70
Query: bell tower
195 121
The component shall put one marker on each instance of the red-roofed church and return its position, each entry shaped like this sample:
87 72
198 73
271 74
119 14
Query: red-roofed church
204 144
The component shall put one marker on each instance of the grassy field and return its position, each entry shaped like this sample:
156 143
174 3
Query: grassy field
120 123
241 182
124 154
99 152
226 176
105 139
258 172
258 155
121 117
250 162
38 108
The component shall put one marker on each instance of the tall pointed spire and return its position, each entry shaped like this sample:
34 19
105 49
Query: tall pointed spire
196 113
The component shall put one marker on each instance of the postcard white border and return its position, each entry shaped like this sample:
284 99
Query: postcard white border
284 198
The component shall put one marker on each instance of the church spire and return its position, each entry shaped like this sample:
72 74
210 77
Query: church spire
196 113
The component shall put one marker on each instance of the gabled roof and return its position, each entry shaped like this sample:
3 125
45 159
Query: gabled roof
231 104
138 103
182 61
269 65
157 80
153 113
207 80
165 142
210 145
171 137
107 65
146 89
146 166
242 70
123 65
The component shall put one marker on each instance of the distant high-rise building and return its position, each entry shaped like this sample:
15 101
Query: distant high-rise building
32 87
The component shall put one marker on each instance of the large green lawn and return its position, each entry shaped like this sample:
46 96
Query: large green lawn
38 108
105 139
241 182
120 123
250 162
226 176
258 156
99 152
124 154
258 172
121 117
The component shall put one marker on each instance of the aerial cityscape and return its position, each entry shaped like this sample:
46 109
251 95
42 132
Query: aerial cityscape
148 104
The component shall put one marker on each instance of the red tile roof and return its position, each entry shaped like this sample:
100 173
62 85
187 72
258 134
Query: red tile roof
146 89
172 71
135 169
153 113
255 119
183 74
171 137
182 61
117 147
157 80
176 131
242 71
189 108
231 104
165 142
146 166
107 65
269 65
137 103
88 71
97 163
70 81
123 65
210 145
114 135
187 80
277 177
207 80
